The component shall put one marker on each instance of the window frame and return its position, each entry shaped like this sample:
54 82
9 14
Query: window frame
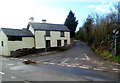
15 38
65 42
62 34
59 43
47 33
2 43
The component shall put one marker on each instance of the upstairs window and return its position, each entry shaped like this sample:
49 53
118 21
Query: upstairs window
14 38
62 34
48 33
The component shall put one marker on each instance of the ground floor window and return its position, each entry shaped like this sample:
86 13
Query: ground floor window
2 44
58 42
65 42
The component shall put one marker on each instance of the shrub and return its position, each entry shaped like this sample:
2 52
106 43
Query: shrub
23 52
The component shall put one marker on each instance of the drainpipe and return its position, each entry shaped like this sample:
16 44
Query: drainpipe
45 43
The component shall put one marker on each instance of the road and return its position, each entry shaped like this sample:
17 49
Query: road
76 64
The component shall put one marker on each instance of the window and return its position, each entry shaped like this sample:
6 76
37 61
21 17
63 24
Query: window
2 43
65 42
48 33
14 38
62 34
58 42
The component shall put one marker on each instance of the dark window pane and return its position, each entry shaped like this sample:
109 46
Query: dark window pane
2 43
65 42
58 42
62 34
47 33
14 38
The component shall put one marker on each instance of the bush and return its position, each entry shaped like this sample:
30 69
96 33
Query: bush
23 52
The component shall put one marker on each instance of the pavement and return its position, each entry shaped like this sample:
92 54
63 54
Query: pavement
76 64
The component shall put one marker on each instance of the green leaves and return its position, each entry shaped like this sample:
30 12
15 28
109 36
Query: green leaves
71 23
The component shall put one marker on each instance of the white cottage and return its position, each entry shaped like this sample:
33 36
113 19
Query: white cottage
38 35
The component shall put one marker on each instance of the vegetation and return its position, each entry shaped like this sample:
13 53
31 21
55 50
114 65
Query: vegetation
71 23
97 32
108 55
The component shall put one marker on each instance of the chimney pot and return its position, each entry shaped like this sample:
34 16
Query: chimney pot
44 20
31 19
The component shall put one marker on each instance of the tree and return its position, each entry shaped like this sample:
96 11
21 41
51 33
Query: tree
71 23
88 26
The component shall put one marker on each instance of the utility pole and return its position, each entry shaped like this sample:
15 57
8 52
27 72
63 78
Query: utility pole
115 37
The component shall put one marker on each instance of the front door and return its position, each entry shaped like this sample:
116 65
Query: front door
48 44
58 42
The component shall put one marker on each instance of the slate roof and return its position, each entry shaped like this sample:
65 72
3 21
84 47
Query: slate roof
48 26
17 32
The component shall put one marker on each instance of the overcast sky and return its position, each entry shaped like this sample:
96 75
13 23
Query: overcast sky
16 13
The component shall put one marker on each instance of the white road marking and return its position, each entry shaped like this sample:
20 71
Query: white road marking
73 66
82 58
69 65
52 63
13 77
21 59
65 61
15 58
45 62
97 69
76 58
87 57
11 64
115 69
2 73
83 67
103 67
61 64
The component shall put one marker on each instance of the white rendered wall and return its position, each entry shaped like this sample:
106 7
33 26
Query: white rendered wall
27 42
54 36
4 48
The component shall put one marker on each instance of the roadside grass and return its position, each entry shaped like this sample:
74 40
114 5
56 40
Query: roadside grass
76 40
107 55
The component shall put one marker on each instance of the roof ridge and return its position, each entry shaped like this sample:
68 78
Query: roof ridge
11 28
46 23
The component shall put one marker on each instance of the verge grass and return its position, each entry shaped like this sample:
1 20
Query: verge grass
107 55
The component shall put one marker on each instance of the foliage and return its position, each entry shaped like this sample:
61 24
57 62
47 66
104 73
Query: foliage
71 23
107 55
23 52
88 27
97 31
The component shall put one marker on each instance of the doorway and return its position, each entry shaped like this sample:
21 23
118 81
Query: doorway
48 45
58 43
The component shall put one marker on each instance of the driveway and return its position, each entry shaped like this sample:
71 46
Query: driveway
80 56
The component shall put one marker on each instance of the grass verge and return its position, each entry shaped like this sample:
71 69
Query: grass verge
107 55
